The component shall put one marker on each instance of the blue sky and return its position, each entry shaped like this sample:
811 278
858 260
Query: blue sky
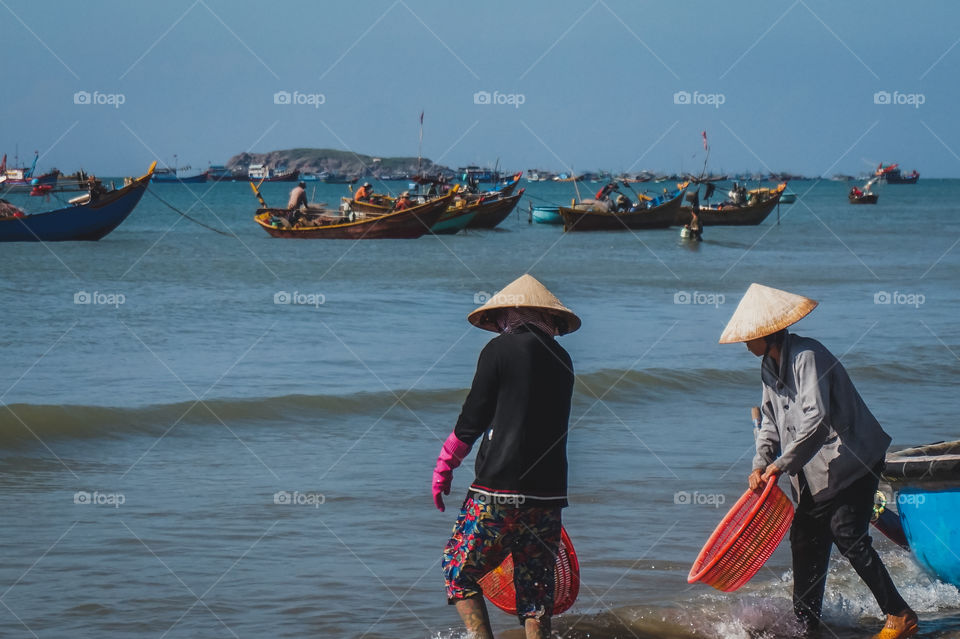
781 85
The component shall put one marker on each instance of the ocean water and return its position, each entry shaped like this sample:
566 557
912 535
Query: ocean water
183 403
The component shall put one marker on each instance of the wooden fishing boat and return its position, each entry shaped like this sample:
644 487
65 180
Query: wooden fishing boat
452 221
328 224
758 207
89 219
661 213
926 480
863 198
489 212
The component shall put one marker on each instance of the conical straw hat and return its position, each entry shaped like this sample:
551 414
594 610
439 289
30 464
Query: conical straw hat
764 311
524 292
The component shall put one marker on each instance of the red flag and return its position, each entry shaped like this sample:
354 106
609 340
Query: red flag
704 140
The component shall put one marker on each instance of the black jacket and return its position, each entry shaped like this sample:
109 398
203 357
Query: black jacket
520 405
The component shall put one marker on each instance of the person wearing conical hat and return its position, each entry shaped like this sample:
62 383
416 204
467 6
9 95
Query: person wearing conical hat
817 429
518 408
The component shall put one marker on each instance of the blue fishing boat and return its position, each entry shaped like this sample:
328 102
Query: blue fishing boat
927 484
547 215
92 216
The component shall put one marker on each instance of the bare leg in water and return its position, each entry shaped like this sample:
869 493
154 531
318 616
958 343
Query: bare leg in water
473 612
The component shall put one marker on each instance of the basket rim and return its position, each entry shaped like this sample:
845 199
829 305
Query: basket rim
696 575
510 608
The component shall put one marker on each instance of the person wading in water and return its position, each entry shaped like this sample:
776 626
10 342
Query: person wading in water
817 429
519 407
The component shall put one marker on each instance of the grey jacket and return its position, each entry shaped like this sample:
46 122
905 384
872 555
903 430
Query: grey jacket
814 420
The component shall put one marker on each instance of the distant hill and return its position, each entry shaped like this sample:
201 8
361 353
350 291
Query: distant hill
335 161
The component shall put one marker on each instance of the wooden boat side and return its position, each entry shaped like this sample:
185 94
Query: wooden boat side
658 217
492 212
406 224
749 215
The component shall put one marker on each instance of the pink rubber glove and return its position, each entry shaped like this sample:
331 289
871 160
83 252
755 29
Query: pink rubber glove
451 456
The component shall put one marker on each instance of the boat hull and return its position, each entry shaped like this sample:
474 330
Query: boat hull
452 221
83 222
863 199
489 214
407 224
547 215
187 179
658 217
927 483
749 215
929 518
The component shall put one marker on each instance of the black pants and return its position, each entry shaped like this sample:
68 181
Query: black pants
843 520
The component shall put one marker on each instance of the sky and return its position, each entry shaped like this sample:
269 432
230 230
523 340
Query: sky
804 86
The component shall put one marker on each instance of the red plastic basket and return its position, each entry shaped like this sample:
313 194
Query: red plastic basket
498 583
745 539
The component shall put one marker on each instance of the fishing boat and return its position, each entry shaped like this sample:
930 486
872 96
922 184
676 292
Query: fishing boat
893 175
788 197
759 204
453 221
658 213
547 215
91 217
865 196
22 176
507 186
926 480
351 224
219 173
171 176
489 211
263 173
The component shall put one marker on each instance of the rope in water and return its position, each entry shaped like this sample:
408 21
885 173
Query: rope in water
179 212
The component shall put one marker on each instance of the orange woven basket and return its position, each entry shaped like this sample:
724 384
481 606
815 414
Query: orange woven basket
498 587
745 539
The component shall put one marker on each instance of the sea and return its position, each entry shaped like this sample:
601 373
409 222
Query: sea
229 435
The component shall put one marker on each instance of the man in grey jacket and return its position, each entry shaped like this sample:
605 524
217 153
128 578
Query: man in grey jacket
817 429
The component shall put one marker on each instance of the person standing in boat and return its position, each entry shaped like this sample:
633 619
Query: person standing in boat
519 408
363 193
403 202
817 429
298 197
